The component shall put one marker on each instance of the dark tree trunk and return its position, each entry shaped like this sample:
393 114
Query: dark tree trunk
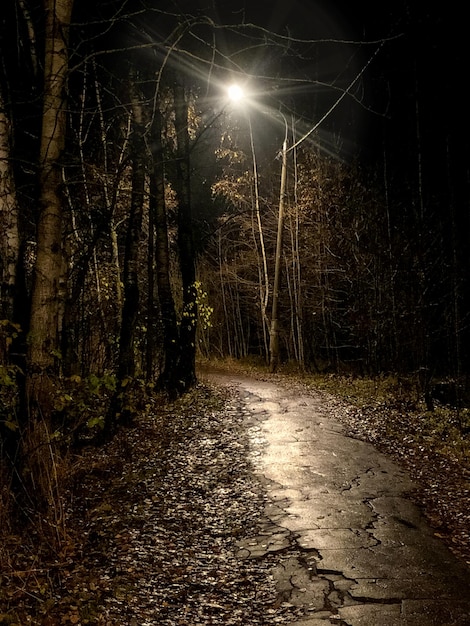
167 377
151 334
126 367
43 357
186 371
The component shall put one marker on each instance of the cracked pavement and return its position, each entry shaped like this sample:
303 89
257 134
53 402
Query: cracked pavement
354 549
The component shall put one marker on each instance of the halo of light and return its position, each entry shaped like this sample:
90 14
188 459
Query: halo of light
235 93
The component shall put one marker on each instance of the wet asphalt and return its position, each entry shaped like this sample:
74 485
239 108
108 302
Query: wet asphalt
365 555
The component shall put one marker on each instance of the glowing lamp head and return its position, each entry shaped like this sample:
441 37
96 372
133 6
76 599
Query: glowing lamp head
235 93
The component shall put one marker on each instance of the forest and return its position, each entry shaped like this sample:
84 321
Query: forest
148 221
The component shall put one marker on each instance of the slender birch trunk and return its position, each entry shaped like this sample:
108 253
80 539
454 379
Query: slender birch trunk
133 240
260 252
131 304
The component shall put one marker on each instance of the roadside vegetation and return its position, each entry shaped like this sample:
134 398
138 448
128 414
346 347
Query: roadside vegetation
401 414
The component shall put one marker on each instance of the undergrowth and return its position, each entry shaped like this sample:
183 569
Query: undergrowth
445 428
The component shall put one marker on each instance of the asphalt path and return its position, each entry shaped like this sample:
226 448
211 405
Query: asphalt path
365 554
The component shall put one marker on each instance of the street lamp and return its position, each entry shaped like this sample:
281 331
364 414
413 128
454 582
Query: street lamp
236 94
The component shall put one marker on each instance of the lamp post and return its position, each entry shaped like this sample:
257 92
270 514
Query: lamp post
236 94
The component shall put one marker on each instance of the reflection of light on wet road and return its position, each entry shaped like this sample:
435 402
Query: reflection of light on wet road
343 506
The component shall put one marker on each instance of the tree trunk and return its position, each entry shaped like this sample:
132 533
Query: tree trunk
110 191
46 301
49 266
260 251
166 379
126 366
274 332
131 260
186 370
151 333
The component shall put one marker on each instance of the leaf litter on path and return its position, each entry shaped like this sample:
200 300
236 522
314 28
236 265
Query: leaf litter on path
155 517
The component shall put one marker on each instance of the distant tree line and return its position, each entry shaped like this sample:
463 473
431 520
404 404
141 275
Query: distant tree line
367 289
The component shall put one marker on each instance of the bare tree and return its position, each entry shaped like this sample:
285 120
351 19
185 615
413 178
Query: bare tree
46 300
49 270
186 369
162 258
126 369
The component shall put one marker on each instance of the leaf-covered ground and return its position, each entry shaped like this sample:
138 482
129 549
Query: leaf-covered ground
153 519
